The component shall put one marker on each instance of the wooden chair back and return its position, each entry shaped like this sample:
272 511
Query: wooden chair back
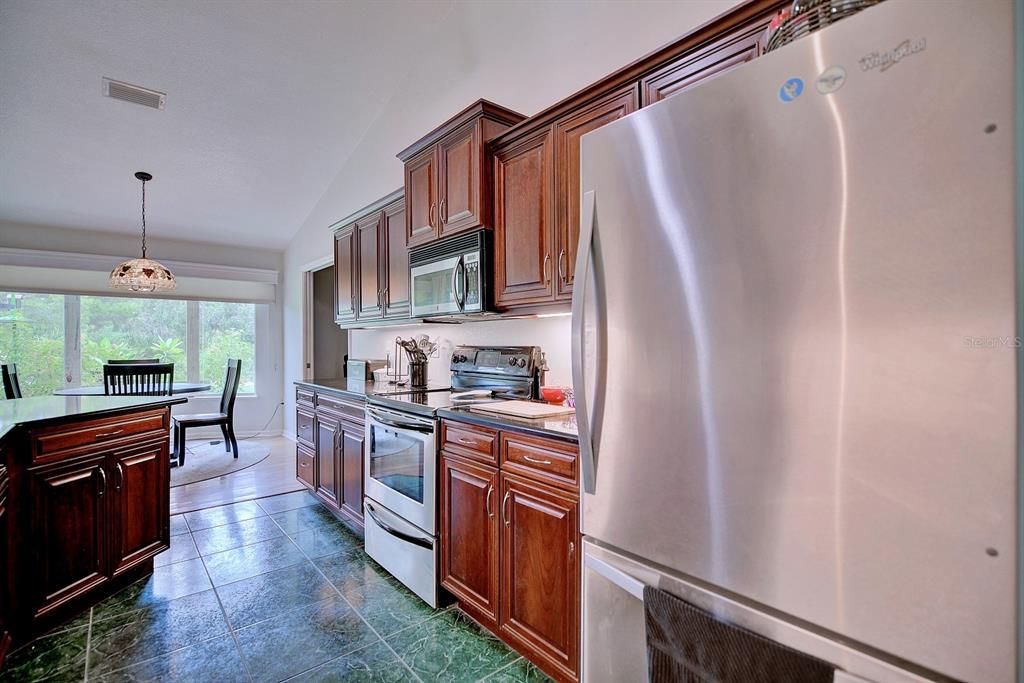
135 361
10 378
153 379
227 398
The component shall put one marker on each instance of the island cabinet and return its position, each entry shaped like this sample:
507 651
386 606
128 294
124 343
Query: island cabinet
5 602
86 510
447 180
535 165
329 435
371 265
510 539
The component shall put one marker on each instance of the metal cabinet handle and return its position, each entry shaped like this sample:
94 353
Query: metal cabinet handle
504 505
119 482
468 442
562 265
107 435
536 461
430 215
443 214
572 548
487 503
547 269
103 483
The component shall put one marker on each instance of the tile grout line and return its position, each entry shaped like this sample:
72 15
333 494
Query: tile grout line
227 622
354 610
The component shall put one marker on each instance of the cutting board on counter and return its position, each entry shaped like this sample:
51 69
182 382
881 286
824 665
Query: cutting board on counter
523 409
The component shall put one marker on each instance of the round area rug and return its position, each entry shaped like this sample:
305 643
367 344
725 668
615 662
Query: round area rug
205 460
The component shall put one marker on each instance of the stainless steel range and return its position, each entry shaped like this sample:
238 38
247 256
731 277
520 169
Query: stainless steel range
402 455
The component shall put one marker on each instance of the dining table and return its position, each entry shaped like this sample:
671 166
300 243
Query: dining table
97 390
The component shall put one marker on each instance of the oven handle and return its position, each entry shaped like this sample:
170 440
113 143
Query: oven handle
421 542
411 426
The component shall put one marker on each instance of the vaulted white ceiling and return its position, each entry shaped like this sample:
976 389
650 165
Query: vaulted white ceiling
273 107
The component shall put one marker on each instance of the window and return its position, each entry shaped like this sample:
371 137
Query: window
32 336
197 336
122 328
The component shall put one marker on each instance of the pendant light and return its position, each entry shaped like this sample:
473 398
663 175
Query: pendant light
142 274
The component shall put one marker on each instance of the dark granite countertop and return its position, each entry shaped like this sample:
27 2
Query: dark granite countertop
561 427
341 386
20 412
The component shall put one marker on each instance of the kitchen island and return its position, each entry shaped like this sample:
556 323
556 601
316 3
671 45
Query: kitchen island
84 502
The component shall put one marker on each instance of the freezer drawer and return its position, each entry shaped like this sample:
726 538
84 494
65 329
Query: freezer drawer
614 645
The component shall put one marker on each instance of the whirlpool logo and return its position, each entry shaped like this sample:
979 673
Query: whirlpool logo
883 61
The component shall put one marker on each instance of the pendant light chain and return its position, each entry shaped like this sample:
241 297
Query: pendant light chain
143 219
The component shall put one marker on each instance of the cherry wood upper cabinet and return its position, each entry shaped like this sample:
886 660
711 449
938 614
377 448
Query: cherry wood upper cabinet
395 261
370 289
344 274
539 541
447 186
469 535
139 479
738 46
70 520
524 236
567 134
421 198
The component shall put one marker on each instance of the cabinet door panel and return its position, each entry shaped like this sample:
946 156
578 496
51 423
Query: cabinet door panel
327 446
344 274
459 186
420 198
739 46
141 482
69 522
522 222
305 466
369 287
469 534
539 549
352 468
395 262
567 176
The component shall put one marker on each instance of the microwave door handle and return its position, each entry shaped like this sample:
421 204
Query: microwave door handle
455 283
460 284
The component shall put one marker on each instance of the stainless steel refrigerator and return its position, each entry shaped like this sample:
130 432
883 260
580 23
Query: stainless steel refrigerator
795 352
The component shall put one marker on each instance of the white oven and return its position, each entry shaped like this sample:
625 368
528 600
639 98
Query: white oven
401 465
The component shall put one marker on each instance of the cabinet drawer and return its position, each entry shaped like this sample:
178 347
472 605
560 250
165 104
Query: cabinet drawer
469 440
50 441
339 406
304 397
305 462
304 427
556 461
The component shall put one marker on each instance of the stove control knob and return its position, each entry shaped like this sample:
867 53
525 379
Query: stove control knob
455 358
512 362
462 359
522 362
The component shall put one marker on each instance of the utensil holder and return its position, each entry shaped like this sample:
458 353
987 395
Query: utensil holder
417 374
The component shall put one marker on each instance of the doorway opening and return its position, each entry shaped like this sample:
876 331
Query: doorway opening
326 344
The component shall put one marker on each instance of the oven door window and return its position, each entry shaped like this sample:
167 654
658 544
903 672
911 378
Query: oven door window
433 287
397 460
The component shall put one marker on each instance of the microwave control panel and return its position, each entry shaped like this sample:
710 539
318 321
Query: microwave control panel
472 265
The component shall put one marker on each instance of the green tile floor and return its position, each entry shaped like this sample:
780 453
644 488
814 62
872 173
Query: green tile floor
268 590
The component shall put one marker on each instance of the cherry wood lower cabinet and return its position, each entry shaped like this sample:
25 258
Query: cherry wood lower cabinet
330 432
510 546
85 511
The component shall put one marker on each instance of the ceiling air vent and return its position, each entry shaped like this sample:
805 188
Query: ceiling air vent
133 93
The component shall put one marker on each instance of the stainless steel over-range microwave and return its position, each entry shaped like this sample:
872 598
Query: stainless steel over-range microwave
451 277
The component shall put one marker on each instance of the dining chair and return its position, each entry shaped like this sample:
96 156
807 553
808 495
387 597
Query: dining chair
225 419
10 377
154 379
135 361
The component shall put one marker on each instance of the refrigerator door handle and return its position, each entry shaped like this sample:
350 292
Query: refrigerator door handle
620 578
588 208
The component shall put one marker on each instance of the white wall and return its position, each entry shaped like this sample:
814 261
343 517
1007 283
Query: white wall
550 334
523 55
252 413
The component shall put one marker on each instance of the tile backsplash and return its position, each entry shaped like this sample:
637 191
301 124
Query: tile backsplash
550 334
